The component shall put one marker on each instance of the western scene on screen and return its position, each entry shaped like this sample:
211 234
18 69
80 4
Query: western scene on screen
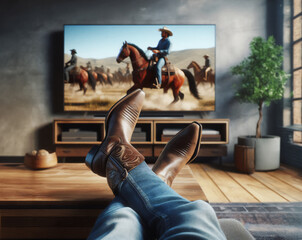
102 63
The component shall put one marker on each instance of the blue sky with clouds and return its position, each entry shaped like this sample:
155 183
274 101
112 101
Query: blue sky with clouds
102 41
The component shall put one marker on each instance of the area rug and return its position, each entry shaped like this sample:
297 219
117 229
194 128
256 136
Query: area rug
266 221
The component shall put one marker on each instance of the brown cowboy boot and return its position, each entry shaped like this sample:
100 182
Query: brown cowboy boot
123 158
120 123
181 149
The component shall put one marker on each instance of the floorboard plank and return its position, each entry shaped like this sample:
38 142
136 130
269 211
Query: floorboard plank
230 188
295 172
256 188
283 189
290 179
212 192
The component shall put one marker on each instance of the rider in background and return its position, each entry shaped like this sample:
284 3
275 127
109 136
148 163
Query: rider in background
72 63
89 66
91 79
206 67
162 50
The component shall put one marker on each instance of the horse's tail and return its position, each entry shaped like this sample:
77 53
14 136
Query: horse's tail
109 79
100 78
192 83
91 80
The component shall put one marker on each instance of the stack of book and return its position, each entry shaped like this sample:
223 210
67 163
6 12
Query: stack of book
169 133
77 135
210 135
207 135
139 135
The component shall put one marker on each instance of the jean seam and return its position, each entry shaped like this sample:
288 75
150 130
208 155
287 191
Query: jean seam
159 215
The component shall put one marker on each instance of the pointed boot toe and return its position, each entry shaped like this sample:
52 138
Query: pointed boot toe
183 148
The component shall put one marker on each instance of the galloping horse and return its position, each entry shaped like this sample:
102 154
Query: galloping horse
92 77
144 76
103 77
121 76
199 74
81 76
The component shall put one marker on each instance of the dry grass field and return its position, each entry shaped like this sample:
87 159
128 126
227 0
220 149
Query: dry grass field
106 95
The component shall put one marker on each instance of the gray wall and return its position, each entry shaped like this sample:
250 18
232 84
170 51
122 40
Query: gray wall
31 51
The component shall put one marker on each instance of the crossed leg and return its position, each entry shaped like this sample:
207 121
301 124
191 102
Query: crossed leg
118 221
141 196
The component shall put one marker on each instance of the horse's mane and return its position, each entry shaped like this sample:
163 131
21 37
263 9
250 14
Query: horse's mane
141 52
196 64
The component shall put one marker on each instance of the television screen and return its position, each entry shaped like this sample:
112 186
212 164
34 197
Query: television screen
102 63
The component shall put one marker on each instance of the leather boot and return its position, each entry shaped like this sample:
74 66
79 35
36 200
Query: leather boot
123 158
181 149
119 123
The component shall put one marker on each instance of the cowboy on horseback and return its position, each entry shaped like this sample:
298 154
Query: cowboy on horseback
89 66
160 52
206 67
71 64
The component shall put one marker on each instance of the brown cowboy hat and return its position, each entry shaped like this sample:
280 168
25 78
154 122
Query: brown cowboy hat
73 50
206 55
167 30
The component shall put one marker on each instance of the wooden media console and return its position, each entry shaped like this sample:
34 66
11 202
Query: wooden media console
74 137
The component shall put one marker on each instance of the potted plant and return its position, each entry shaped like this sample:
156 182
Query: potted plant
262 81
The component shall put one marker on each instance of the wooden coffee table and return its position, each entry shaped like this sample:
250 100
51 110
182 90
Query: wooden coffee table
62 202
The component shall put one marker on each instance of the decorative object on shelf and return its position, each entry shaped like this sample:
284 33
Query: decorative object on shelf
263 81
41 159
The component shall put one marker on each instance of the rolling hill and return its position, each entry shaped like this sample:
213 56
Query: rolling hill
180 59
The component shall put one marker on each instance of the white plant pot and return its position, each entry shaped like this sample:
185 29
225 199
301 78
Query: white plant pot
267 151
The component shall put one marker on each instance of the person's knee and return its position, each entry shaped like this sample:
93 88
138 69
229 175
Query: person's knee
161 62
195 210
204 208
125 222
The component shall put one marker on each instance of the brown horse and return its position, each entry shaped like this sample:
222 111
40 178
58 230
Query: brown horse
199 74
103 77
144 76
81 76
92 77
121 77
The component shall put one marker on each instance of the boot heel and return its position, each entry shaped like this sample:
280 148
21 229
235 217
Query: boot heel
90 156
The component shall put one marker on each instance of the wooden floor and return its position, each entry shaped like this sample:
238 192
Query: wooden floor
224 185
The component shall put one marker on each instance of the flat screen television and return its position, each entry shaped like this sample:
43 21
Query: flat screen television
99 80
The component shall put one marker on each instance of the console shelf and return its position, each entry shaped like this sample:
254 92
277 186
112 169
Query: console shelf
74 137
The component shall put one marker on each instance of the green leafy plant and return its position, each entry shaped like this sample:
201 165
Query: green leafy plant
262 77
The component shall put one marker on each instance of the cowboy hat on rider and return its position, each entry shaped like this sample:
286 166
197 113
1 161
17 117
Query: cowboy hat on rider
167 30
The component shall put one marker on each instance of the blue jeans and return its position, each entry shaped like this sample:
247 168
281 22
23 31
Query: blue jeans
165 213
118 222
159 65
67 70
